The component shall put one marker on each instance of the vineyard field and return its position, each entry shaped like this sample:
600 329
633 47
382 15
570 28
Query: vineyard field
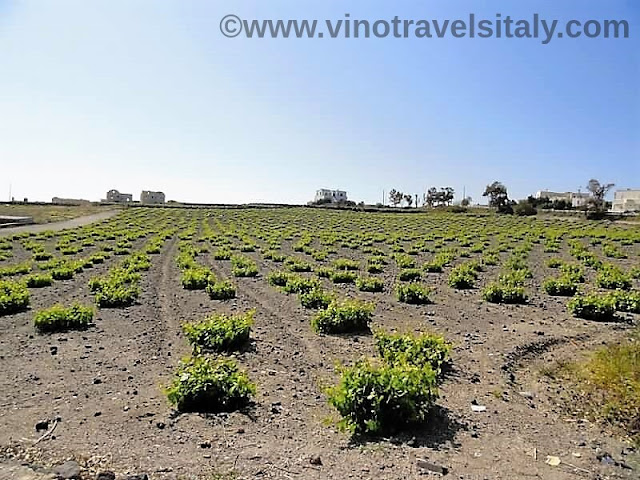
271 343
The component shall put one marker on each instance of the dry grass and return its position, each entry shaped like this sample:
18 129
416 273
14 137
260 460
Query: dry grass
49 213
612 384
604 386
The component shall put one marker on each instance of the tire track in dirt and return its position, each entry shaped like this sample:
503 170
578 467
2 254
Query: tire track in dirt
283 338
276 360
115 366
526 358
156 344
160 285
258 290
289 365
169 255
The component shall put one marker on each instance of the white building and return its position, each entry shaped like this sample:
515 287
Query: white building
626 201
333 196
117 197
577 200
149 197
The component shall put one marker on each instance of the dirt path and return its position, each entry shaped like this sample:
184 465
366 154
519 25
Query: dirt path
55 226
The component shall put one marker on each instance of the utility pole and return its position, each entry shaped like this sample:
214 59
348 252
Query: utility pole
383 197
416 200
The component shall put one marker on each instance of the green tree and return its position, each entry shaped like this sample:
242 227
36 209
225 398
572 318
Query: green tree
447 195
409 199
497 194
442 197
596 204
395 197
430 197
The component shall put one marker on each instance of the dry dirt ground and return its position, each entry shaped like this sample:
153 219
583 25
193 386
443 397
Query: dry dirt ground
56 226
48 213
105 387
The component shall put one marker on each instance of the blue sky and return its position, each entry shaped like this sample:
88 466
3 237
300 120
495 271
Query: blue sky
147 94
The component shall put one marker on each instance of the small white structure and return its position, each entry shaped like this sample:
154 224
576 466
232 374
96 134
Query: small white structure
577 200
153 198
117 197
333 196
626 201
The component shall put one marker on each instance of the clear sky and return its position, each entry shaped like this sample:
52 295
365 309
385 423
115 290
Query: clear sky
148 94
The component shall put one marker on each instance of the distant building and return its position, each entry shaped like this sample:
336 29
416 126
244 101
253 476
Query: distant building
148 197
626 201
117 197
333 196
69 201
577 200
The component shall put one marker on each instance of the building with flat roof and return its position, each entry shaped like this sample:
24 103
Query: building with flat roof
152 198
333 196
577 200
626 201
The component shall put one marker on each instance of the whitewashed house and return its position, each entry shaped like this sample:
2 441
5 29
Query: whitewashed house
577 200
626 201
333 196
